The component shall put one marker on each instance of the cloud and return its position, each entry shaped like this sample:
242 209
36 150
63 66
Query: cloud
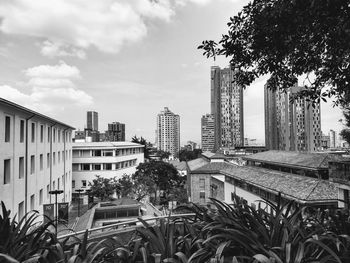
52 50
51 89
70 27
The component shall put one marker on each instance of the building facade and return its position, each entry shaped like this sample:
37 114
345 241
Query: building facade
168 132
291 126
208 133
107 159
115 132
332 139
227 109
35 158
92 120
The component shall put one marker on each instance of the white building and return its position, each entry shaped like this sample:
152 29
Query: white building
168 131
107 159
35 158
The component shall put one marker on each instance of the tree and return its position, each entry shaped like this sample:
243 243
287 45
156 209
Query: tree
287 39
102 188
163 154
142 141
186 155
125 186
157 175
345 133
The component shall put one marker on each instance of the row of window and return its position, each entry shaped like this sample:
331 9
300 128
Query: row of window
57 133
103 166
7 164
106 153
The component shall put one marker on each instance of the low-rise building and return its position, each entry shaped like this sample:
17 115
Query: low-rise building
222 180
339 173
35 158
107 159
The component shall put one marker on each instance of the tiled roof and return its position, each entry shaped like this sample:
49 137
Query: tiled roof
294 159
182 166
196 163
295 186
105 144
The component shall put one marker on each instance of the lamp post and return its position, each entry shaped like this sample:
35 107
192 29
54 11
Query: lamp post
56 192
79 191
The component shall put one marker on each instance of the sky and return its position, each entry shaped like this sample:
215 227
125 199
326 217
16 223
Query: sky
125 59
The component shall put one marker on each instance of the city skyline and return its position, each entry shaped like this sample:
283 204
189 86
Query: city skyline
126 76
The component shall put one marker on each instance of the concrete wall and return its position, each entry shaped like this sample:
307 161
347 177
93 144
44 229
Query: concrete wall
33 192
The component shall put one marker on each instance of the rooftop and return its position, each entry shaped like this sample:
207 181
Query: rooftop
196 163
179 165
295 159
31 112
295 186
105 145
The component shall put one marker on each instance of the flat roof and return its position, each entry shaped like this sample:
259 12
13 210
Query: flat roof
295 186
31 112
81 145
294 159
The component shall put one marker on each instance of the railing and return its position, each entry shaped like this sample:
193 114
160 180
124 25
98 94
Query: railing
92 230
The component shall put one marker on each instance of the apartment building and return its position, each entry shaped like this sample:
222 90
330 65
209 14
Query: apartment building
208 133
107 159
168 131
35 158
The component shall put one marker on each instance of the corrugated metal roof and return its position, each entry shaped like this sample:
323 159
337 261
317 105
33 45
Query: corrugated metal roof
294 159
296 186
196 163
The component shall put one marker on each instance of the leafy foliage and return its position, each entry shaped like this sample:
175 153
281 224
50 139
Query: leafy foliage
102 187
156 175
287 39
142 141
345 133
187 155
125 186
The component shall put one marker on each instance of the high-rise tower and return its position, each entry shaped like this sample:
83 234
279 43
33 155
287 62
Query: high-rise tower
291 125
226 108
115 132
207 133
168 131
92 120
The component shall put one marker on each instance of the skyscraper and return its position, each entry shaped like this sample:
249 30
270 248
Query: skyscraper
291 125
226 108
168 131
92 121
115 132
207 133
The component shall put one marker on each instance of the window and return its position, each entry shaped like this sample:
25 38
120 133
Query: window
7 171
7 128
59 157
48 134
48 160
59 135
108 153
202 195
32 202
20 210
41 162
21 131
73 183
54 185
48 191
83 182
32 164
96 167
33 132
21 167
202 183
54 135
41 197
54 158
107 166
41 133
96 153
58 183
86 167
